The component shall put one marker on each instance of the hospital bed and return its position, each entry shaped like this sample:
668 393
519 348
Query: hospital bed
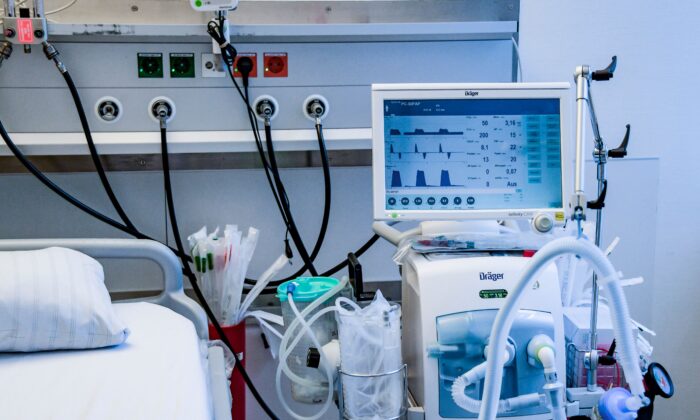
165 369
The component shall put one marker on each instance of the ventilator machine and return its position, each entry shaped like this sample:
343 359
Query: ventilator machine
486 170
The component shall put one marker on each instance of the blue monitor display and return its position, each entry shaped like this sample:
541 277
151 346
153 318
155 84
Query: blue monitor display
472 154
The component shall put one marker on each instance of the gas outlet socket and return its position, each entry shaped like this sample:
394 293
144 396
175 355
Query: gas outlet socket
315 106
161 104
265 106
108 109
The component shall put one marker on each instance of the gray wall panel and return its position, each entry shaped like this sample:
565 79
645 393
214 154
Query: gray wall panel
35 98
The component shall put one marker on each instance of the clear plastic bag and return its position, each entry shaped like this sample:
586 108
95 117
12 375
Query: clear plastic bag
370 350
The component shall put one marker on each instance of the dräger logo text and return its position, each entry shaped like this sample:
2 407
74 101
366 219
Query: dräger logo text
471 93
491 276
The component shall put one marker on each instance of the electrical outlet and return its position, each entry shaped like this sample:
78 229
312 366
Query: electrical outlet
181 65
213 66
150 65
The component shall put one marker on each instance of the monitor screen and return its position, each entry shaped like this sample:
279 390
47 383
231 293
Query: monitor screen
465 154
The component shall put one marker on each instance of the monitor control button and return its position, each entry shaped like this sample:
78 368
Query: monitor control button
471 200
392 201
418 201
458 200
405 201
444 201
431 200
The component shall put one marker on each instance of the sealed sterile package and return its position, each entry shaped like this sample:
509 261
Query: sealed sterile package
371 366
503 240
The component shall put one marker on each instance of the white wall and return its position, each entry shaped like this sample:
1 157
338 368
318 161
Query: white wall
655 89
203 197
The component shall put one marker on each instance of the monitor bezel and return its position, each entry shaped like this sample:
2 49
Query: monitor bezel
467 91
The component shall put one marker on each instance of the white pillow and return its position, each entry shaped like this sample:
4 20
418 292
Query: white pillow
54 299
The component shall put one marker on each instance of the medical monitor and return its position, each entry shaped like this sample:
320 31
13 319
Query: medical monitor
470 151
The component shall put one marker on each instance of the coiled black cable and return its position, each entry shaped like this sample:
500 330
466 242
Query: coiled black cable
191 277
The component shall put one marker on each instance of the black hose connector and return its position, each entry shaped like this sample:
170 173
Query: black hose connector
51 53
5 51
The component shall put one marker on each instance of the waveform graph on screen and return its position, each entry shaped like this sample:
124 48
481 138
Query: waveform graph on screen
453 155
396 179
427 158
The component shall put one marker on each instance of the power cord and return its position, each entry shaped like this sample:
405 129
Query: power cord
188 270
228 55
293 232
244 66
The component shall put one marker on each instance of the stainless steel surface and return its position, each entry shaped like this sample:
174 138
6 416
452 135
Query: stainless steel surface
9 7
600 155
591 378
38 8
403 370
594 122
581 75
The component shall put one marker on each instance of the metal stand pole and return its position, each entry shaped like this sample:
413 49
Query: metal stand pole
592 381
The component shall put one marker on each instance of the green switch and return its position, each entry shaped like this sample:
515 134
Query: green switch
182 65
150 65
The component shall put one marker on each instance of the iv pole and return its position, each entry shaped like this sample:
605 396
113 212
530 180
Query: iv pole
584 102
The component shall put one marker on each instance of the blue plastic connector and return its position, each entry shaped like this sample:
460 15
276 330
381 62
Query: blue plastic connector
612 405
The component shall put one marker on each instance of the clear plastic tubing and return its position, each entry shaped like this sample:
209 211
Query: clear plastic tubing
329 375
472 405
289 333
609 280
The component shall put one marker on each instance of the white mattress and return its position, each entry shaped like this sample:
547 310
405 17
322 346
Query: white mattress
158 373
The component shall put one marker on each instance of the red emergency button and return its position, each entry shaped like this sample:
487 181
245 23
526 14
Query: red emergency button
25 31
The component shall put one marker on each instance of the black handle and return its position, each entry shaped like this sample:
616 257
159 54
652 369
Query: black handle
621 150
599 203
609 358
606 73
355 274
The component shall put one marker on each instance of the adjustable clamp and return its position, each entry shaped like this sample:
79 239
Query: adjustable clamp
356 280
599 202
621 151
